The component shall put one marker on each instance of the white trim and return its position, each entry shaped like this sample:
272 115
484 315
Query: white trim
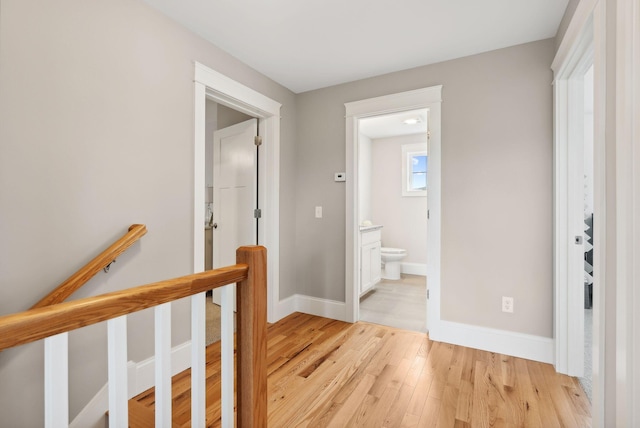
286 306
599 222
536 348
627 202
574 36
320 307
429 98
199 139
401 101
313 306
414 268
571 63
635 204
144 370
224 90
586 31
141 378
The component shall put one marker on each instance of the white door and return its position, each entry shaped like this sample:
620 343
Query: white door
234 193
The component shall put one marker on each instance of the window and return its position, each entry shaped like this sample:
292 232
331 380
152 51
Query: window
414 169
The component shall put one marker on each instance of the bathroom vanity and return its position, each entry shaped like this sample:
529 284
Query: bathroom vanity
370 259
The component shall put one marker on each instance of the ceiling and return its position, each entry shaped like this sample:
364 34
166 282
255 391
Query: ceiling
311 44
392 125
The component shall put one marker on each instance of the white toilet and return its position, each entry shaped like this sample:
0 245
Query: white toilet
391 260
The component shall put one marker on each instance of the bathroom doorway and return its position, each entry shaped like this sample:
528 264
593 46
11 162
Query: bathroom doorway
427 101
392 195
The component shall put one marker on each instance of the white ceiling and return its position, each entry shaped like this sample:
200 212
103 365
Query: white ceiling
311 44
392 125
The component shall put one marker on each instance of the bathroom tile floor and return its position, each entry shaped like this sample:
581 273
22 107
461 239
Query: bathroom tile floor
401 303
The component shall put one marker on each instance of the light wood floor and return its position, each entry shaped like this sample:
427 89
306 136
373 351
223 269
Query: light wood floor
397 303
326 373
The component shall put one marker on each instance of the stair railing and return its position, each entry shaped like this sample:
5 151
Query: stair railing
101 262
52 323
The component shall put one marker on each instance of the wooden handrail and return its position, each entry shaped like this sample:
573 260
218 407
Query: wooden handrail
84 274
35 324
250 275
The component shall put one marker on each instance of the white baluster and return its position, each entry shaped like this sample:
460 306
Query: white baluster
117 368
198 360
56 381
163 365
226 336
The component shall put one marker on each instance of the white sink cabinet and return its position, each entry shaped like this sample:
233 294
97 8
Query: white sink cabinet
370 259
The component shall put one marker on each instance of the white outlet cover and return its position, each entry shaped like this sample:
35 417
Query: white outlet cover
507 304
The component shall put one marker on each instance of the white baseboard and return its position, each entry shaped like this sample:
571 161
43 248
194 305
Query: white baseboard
414 268
140 378
321 307
145 370
536 348
311 305
286 307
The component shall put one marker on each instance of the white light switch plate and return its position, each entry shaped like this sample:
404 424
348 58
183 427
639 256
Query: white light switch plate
318 212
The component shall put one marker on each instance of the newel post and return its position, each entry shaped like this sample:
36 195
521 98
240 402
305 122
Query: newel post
251 339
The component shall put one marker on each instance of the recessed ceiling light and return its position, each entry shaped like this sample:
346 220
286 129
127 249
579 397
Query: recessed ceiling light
412 120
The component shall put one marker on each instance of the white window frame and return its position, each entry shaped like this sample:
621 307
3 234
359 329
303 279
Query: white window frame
408 152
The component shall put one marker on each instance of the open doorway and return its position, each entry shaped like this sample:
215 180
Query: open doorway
427 99
211 85
232 189
392 206
575 226
579 207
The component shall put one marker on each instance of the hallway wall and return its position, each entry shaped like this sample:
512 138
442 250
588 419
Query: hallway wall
96 106
496 184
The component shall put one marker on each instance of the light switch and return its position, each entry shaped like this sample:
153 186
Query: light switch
318 212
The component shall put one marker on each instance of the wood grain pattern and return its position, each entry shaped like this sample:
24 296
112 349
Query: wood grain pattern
35 324
88 271
251 338
323 373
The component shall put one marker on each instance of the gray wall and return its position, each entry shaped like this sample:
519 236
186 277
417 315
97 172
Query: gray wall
404 217
96 107
496 184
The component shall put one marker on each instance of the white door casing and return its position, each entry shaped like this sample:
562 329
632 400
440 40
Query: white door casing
429 98
210 84
234 193
582 45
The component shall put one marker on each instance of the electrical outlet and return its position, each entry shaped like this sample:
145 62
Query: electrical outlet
507 304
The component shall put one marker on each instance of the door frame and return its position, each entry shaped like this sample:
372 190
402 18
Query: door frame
210 84
582 46
426 98
569 209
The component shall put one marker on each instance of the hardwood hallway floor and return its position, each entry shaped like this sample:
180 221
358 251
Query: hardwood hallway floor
327 373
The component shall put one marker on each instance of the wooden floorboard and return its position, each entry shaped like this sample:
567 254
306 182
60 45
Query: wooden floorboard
326 373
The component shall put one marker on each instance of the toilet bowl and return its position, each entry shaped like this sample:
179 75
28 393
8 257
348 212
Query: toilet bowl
391 259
